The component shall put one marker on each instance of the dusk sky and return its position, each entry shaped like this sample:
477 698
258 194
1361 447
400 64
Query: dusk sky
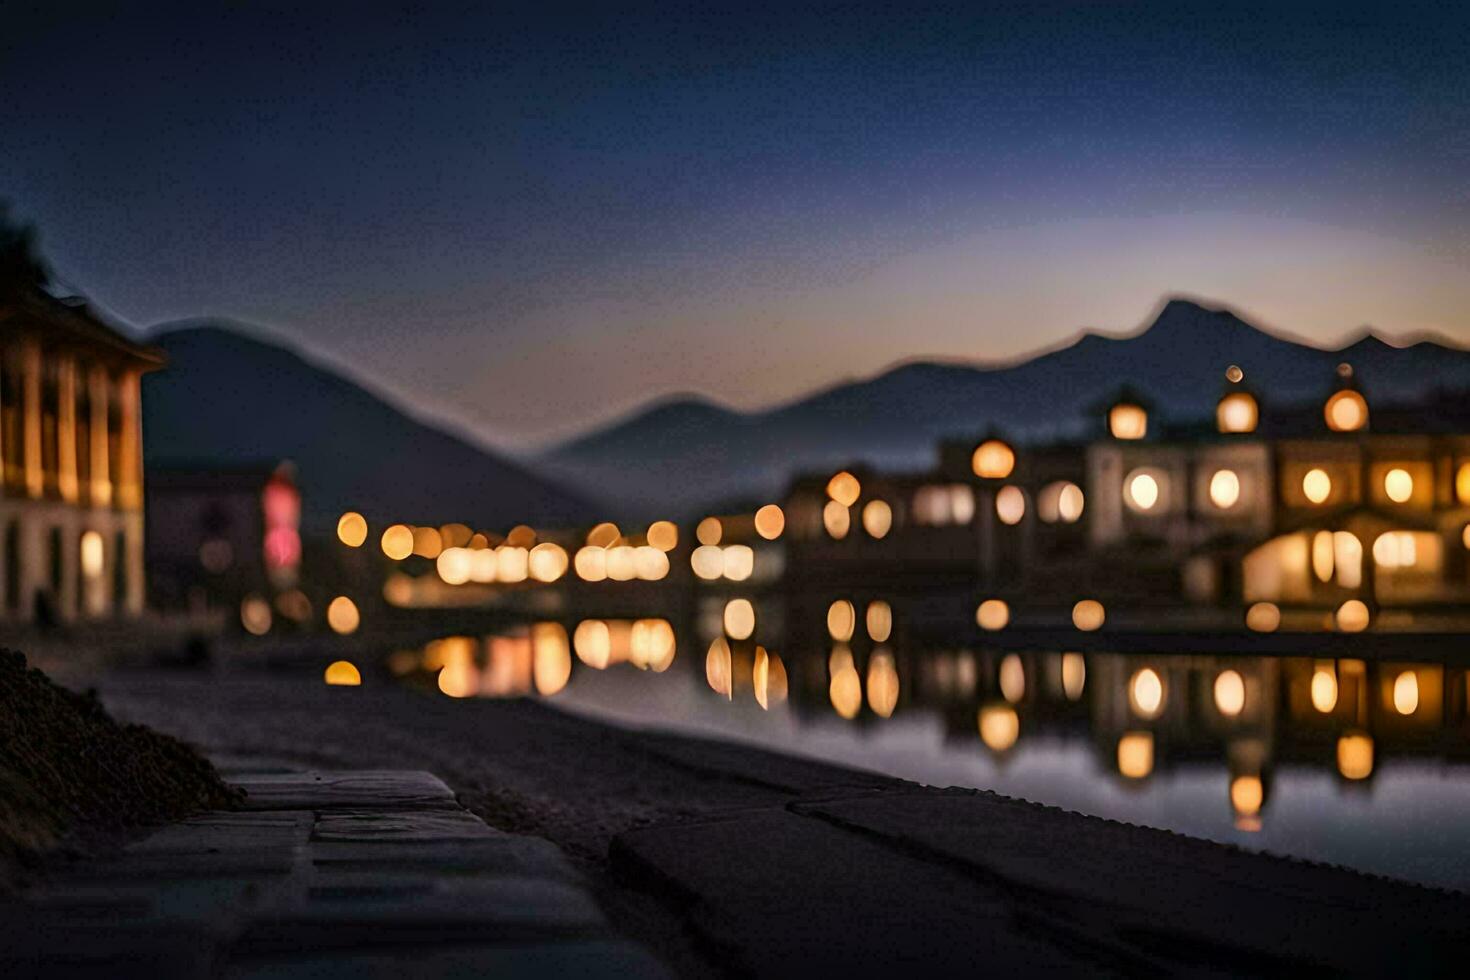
529 222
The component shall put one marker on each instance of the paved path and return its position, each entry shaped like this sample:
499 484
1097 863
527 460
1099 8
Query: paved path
322 874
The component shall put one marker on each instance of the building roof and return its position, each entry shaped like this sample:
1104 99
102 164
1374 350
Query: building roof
30 308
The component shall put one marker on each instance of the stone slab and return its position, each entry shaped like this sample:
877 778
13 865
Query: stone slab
1175 899
507 855
611 959
776 894
403 826
326 789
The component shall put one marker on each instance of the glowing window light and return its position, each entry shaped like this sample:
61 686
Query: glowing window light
1247 793
454 565
877 518
649 563
1012 678
1127 421
1347 554
1352 616
739 619
879 620
1143 490
590 563
961 504
1406 693
1323 555
551 658
342 615
1136 755
511 563
1224 489
708 561
1088 615
352 529
846 691
91 549
1060 501
709 531
768 677
460 678
840 658
1074 675
1355 756
1010 505
1396 549
1398 485
1324 688
841 620
837 520
739 562
1263 617
521 536
427 543
604 535
844 488
993 460
770 521
592 640
1462 484
455 535
547 562
1317 485
663 535
992 614
255 615
1237 412
882 683
1230 693
397 542
651 645
342 673
1146 693
622 563
1000 726
1346 411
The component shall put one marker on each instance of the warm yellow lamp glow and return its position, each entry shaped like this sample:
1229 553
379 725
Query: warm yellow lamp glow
663 535
993 460
1263 617
770 521
1230 693
1237 412
879 620
708 561
1352 616
1247 793
1406 693
1088 615
352 529
1398 485
1317 485
1010 505
547 562
1074 675
1060 501
1346 411
877 518
397 542
844 488
1146 693
837 519
1144 491
1136 754
709 531
1355 756
1012 678
719 668
841 620
1462 484
739 562
992 614
342 673
1324 688
739 619
846 691
999 726
604 535
882 683
1224 489
1127 421
342 615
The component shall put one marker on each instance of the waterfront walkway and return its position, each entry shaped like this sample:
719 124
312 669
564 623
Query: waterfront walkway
623 852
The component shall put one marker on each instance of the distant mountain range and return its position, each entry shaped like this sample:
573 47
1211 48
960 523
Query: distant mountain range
681 454
227 398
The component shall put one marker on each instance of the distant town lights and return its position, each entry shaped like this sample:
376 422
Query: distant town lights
352 529
1128 421
993 460
1346 411
1237 412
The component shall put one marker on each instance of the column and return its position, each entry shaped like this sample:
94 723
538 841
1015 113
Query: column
130 446
66 429
31 416
99 398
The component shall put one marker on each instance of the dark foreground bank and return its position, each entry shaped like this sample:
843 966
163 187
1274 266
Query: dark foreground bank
71 777
726 859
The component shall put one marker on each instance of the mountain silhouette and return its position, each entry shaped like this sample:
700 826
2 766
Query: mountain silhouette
227 398
682 454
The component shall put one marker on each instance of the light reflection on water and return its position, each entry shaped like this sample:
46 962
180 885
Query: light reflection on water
1349 761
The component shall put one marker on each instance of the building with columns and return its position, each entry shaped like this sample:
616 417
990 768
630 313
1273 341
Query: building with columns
71 454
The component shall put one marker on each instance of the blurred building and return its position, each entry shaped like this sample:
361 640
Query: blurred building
71 448
225 539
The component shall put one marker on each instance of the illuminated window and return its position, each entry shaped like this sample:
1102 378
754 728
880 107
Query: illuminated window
1398 485
709 531
770 521
992 614
993 460
1088 615
1127 421
398 542
739 619
1230 693
1346 411
1355 756
1317 485
1144 490
1263 617
1323 555
879 620
1010 505
1146 693
1136 754
999 725
1224 489
1012 678
1060 501
342 615
961 503
1237 412
1324 688
882 683
841 620
352 529
877 518
1406 693
844 488
1352 616
837 519
1347 554
1401 549
663 535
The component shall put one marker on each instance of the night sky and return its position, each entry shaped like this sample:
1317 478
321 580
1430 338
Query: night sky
526 220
